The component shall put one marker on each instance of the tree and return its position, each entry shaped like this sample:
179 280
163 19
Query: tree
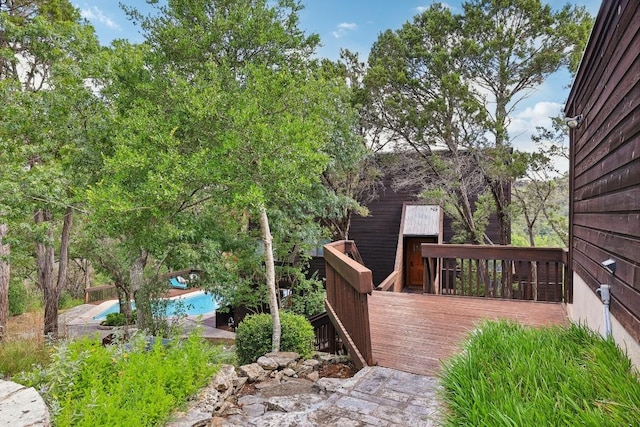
44 49
229 115
431 115
509 50
446 81
353 176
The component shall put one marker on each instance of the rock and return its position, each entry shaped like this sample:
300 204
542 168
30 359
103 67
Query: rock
313 376
328 385
328 358
239 382
314 364
224 379
284 358
22 406
253 372
303 369
267 363
266 384
288 372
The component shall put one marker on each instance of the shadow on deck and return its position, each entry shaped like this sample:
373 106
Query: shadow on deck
415 332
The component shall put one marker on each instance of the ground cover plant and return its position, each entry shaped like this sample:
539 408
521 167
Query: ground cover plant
130 384
511 375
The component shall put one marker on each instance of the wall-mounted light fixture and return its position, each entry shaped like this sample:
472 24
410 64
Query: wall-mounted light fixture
574 122
610 265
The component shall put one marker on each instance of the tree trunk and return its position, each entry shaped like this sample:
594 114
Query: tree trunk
5 250
136 274
271 278
64 249
46 260
124 300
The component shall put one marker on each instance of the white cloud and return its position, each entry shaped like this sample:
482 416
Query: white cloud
95 14
420 9
348 26
523 124
344 28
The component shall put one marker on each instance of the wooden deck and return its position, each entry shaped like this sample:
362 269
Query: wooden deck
414 332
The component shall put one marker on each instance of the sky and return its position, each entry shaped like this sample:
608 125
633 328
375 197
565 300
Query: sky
355 25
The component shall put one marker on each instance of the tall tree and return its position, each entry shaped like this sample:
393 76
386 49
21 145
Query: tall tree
451 81
44 47
228 111
510 48
430 114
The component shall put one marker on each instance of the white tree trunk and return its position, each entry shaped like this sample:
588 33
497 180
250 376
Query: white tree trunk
271 278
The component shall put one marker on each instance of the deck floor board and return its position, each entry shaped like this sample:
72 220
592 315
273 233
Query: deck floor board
415 332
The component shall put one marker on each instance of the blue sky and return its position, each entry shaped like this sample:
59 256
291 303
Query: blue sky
355 25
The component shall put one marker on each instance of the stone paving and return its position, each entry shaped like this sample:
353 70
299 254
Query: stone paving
375 396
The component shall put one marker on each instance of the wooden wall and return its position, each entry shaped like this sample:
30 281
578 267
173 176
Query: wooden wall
605 160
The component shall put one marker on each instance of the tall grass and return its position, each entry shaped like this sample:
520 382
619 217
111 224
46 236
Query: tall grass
510 375
20 354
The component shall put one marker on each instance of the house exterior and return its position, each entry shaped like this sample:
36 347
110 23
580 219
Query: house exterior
605 176
386 236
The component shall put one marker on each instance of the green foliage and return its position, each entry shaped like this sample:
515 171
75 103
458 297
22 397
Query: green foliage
253 336
510 375
307 295
115 319
87 384
67 301
18 297
20 355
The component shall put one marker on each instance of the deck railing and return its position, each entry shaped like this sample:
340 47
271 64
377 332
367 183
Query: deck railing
500 271
100 293
348 285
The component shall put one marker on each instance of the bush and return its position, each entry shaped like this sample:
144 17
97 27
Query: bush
117 319
253 336
18 298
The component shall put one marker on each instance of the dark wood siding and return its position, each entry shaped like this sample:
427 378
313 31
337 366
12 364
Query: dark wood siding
605 160
376 235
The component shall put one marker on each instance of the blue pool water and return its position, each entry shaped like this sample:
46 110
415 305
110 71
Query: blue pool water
192 304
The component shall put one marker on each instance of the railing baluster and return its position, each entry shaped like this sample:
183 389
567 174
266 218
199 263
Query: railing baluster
501 271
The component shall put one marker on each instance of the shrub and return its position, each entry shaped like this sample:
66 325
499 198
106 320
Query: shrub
253 336
115 319
17 298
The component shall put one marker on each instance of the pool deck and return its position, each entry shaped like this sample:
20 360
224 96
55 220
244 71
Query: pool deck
79 321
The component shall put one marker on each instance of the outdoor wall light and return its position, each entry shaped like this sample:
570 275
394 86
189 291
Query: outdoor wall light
609 265
574 122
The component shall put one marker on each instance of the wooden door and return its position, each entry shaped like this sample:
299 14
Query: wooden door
414 264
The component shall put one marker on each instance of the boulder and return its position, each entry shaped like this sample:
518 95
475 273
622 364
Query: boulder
253 372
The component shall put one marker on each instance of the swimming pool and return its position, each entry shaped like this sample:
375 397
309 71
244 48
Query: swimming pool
192 304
